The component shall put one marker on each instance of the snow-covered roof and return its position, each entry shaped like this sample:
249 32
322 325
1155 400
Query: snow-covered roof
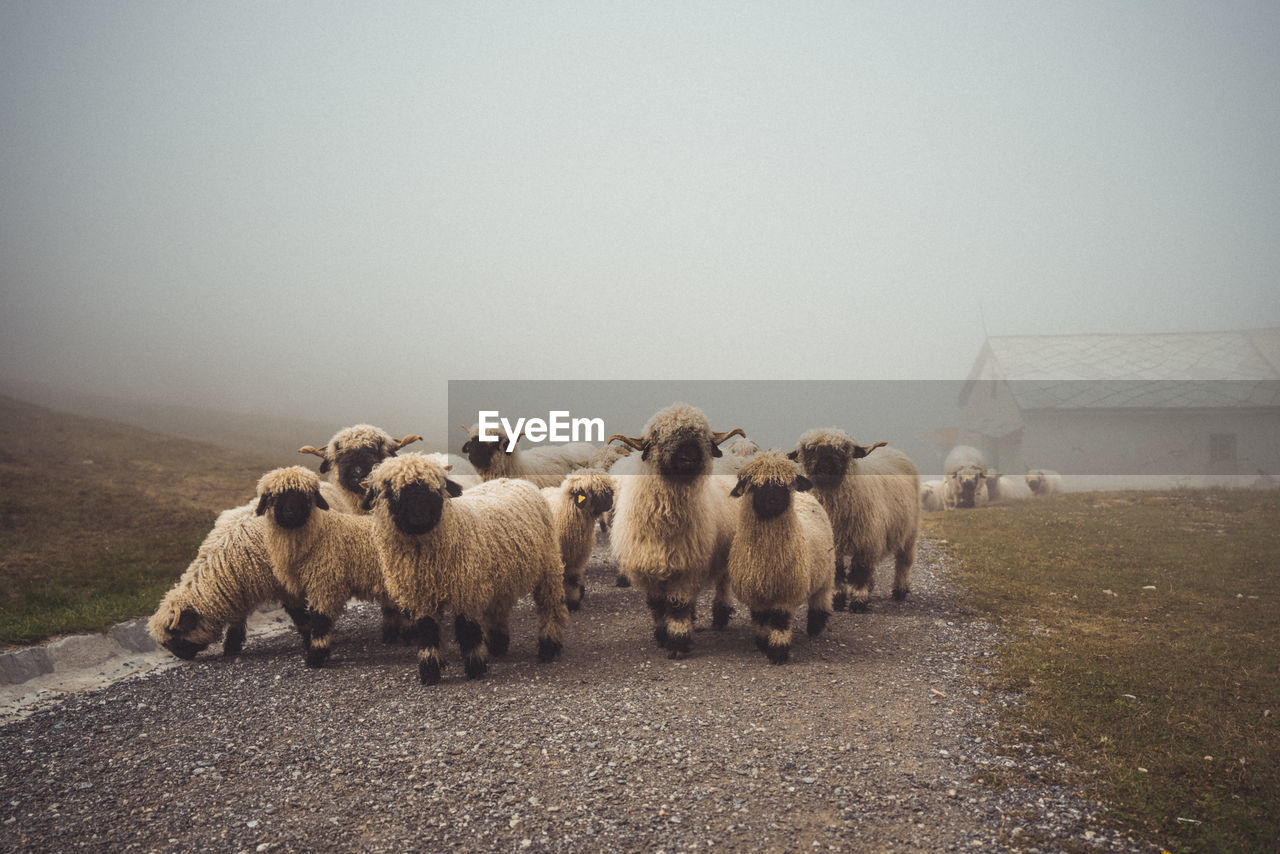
1169 370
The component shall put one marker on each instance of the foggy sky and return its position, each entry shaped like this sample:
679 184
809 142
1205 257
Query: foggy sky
328 210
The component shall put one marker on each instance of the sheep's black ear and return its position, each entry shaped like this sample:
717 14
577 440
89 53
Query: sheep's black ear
794 455
466 446
370 496
739 488
452 488
320 502
716 452
803 484
325 465
263 503
187 620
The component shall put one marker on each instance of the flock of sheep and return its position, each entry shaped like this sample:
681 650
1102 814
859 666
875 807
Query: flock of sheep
428 534
969 482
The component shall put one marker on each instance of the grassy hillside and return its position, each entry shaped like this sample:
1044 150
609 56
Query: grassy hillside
97 519
1145 635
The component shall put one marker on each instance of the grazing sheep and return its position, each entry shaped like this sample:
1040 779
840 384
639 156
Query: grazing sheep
1003 488
674 521
931 495
352 453
546 465
575 505
474 553
1044 481
782 554
227 580
320 556
874 506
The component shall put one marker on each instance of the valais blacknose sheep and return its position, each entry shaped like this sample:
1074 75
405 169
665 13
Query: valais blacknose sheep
1044 481
474 554
782 554
545 465
674 521
964 472
872 495
575 505
352 453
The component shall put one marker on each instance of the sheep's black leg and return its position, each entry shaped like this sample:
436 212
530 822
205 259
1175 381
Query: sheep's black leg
760 629
779 646
471 642
321 627
426 632
721 610
841 591
393 624
302 622
860 580
816 621
658 608
679 628
234 641
622 581
573 589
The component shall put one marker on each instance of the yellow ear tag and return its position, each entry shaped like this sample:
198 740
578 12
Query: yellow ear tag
581 498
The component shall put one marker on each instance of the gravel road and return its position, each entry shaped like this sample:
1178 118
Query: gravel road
870 739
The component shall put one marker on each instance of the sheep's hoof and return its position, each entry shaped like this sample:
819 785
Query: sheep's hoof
720 616
548 650
678 654
234 642
622 581
859 606
499 643
660 635
900 593
573 604
429 672
815 622
391 634
316 656
838 601
778 654
762 644
475 668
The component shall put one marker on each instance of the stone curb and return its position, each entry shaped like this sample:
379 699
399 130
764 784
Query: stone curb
75 651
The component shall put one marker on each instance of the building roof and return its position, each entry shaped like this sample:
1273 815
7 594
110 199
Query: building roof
1182 370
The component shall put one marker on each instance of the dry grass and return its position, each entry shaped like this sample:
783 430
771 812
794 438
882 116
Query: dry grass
1146 640
98 519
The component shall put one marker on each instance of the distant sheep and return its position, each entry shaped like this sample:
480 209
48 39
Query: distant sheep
964 471
743 448
320 556
674 522
545 465
1004 488
783 553
606 455
873 499
575 505
1044 481
931 495
474 553
352 453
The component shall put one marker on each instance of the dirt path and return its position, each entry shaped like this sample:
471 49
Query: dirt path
870 739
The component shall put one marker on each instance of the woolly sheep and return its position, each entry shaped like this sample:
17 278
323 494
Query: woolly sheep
743 448
782 553
963 473
1003 488
874 506
931 495
474 554
352 453
1044 481
604 460
546 465
674 521
575 505
320 556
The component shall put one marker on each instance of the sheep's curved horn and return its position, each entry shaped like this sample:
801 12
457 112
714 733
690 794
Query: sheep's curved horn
412 437
465 429
636 444
307 449
862 451
717 438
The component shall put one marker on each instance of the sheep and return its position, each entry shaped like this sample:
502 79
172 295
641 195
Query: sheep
783 552
963 455
1003 488
543 466
352 453
743 448
674 522
931 495
474 553
606 455
575 505
963 473
1044 481
321 556
227 580
874 505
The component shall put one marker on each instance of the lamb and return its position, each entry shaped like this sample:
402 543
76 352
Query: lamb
931 495
352 453
874 506
543 466
474 553
674 522
320 556
782 554
575 505
964 471
1003 488
1044 481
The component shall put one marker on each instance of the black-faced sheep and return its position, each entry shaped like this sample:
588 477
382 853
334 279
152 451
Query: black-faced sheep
474 554
545 465
674 521
964 471
1044 481
321 556
575 505
872 496
783 553
352 453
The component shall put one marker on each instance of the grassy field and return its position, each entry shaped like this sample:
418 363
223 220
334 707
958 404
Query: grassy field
98 519
1145 635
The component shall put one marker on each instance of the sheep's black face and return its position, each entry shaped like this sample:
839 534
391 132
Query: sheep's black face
292 508
685 458
771 500
481 453
416 509
354 467
826 466
968 484
184 649
601 502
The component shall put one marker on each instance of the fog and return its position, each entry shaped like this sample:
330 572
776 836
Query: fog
327 211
